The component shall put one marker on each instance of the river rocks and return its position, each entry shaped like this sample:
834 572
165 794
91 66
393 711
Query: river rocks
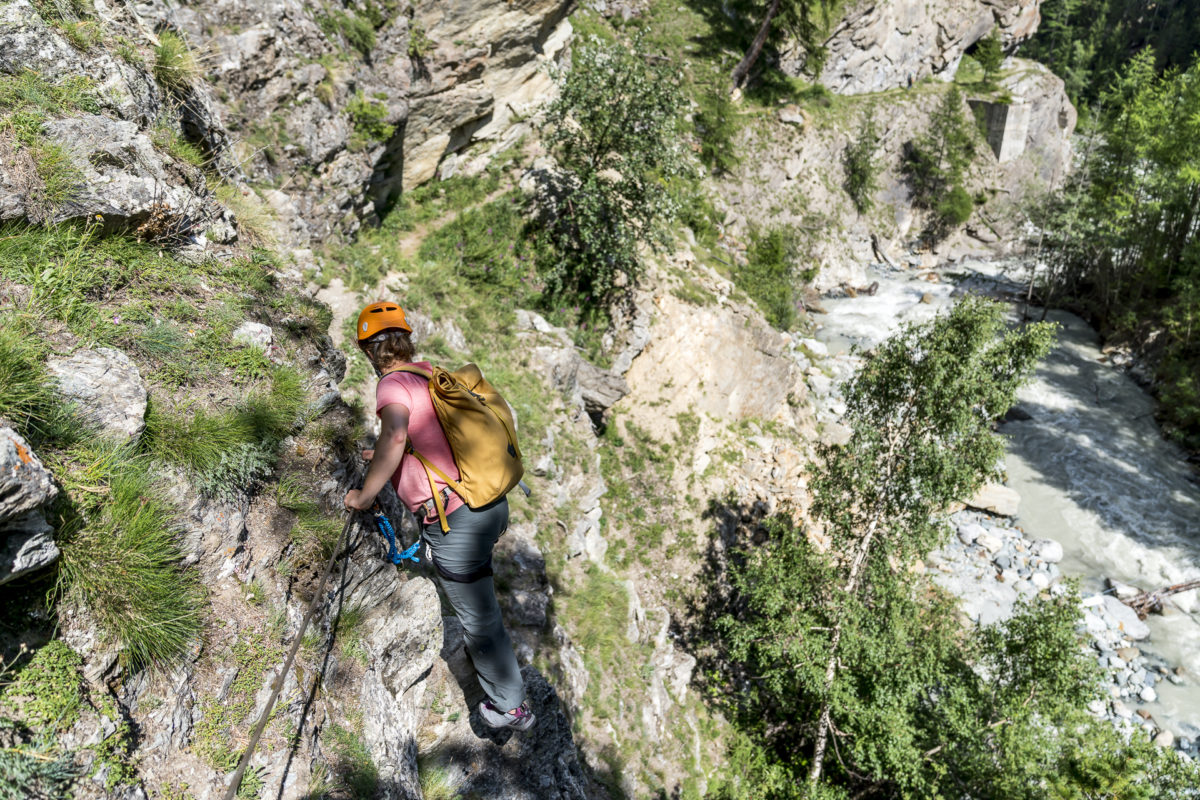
106 386
1048 550
997 499
895 43
968 533
1126 619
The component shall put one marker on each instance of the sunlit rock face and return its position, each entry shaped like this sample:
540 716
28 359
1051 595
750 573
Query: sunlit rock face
895 43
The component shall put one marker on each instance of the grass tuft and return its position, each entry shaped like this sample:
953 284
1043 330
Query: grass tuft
175 67
28 400
227 452
254 217
120 558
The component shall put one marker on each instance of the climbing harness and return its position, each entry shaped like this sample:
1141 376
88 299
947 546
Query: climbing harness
394 554
277 684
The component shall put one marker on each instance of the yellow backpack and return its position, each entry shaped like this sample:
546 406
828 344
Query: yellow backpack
479 426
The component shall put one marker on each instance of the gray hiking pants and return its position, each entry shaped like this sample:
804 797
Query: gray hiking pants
463 560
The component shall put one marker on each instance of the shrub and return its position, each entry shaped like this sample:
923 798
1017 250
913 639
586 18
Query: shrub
844 641
32 768
369 117
418 42
359 33
956 206
174 65
120 559
990 55
769 276
48 691
613 131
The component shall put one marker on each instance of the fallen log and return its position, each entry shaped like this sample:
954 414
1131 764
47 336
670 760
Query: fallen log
1146 602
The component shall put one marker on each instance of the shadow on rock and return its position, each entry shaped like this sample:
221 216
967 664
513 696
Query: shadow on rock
542 763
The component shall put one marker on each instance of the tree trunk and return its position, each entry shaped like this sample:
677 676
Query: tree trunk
823 722
743 68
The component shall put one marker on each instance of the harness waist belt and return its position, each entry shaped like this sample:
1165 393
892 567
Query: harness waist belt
430 507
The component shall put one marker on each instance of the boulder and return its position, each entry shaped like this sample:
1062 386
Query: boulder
26 545
967 534
1048 550
25 484
996 499
1126 619
989 542
107 387
254 334
130 183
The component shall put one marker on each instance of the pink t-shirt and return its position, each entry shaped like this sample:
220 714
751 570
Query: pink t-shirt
425 434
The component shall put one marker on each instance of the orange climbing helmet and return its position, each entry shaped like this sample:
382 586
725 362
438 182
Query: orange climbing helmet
379 317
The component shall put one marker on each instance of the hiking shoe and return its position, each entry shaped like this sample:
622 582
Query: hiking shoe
520 718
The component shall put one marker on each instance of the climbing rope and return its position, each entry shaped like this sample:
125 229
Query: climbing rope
277 684
394 554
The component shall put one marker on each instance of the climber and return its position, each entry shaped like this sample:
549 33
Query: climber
462 556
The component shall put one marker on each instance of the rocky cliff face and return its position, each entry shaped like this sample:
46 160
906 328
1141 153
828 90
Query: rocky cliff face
889 44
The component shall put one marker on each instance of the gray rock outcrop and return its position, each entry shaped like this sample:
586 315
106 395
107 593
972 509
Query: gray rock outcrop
26 541
554 355
26 545
25 484
106 386
887 44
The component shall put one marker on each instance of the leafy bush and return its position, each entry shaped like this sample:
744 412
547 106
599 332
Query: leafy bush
120 559
613 131
174 65
862 171
769 276
955 206
369 117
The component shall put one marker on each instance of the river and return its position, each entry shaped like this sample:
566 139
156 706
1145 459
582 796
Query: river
1091 466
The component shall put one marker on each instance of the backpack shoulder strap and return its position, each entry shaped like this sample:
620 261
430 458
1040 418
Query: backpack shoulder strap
411 369
430 471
